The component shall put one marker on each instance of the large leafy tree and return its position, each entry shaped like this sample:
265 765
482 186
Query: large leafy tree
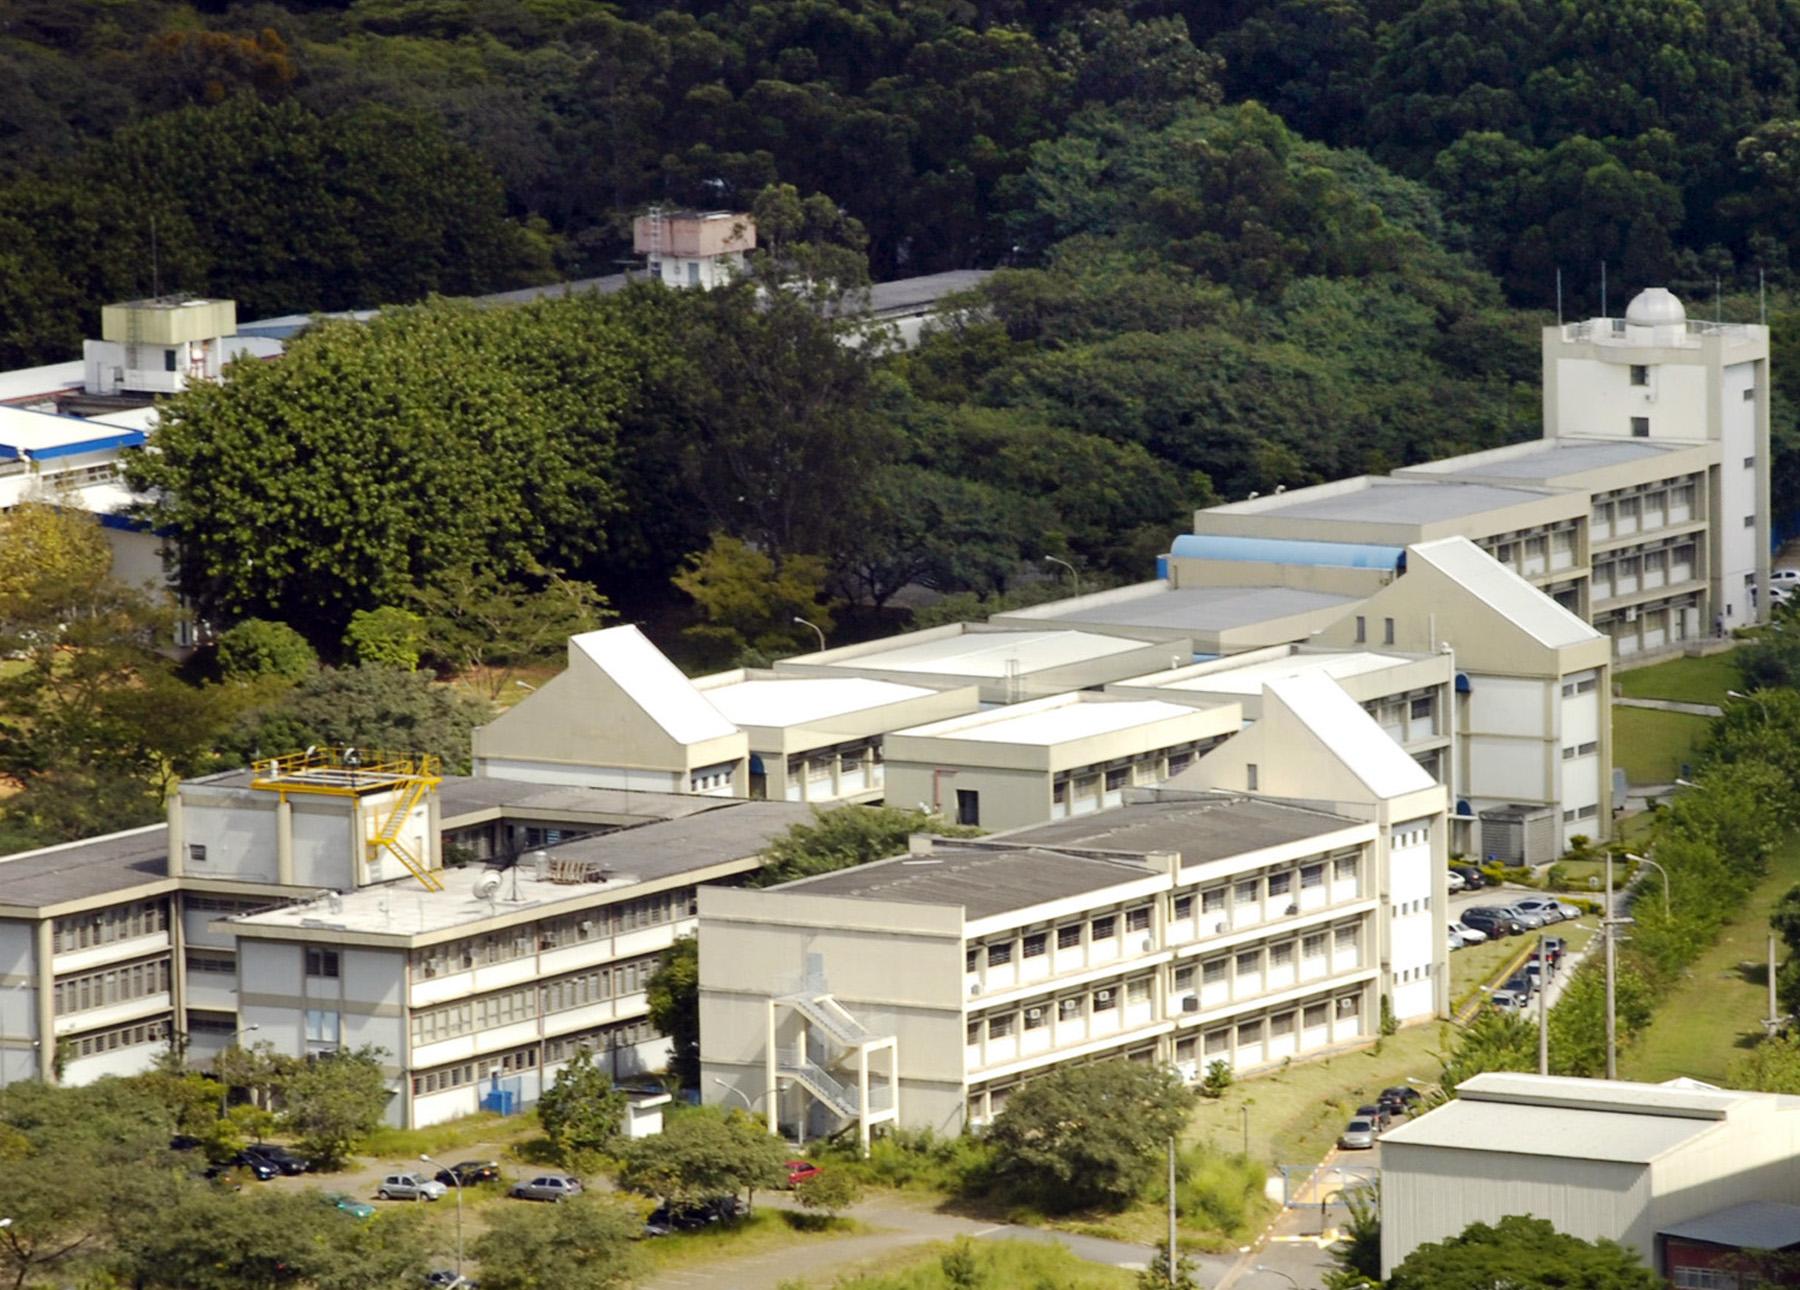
704 1153
586 1243
333 1102
1088 1136
673 995
382 456
844 836
1525 1252
582 1113
372 706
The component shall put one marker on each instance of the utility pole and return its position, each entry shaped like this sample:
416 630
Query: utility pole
1173 1256
1543 1009
1612 1024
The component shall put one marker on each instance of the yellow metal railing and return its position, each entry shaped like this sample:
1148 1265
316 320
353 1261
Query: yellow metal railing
353 772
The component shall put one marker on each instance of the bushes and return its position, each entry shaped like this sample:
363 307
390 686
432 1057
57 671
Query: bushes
1220 1193
256 648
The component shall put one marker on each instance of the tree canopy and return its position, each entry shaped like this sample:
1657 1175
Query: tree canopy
1525 1252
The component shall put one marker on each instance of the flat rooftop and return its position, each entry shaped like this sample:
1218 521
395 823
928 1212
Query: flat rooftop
631 857
1200 609
43 435
1201 827
1390 501
460 796
1250 678
987 654
1550 460
985 882
794 701
92 867
1055 720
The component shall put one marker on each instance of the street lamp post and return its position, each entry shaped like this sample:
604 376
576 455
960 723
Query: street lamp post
1074 576
1629 855
806 622
230 1043
457 1179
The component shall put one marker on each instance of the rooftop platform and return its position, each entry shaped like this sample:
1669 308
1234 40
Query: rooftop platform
793 701
710 844
1215 619
1379 499
1059 719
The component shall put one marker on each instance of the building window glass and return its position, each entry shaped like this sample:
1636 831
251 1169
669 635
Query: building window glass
1640 427
1103 928
1035 945
1068 937
322 963
322 1026
1640 374
1137 920
999 955
1106 1000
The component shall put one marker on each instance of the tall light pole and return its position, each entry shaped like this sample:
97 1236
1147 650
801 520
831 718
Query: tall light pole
1074 576
1659 869
806 622
1174 1251
457 1179
1543 1009
230 1043
1609 928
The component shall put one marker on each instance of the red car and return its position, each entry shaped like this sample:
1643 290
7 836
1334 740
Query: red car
800 1170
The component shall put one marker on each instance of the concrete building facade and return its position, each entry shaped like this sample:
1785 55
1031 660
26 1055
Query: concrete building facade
1187 930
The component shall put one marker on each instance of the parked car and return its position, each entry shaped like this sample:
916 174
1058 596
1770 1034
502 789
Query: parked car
1376 1114
1550 910
183 1142
1522 985
799 1171
1786 578
1470 935
546 1187
1456 938
1553 948
283 1160
1494 922
667 1218
467 1173
1403 1096
1456 882
410 1187
249 1164
1529 920
1470 875
350 1205
1358 1135
1507 1001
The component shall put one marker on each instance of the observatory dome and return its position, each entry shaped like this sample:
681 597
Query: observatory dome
1655 307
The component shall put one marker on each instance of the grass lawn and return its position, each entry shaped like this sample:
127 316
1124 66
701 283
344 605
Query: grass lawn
1714 1014
1297 1113
1651 746
445 1139
995 1263
1683 680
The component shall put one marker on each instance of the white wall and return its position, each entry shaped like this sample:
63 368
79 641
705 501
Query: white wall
1413 948
239 840
646 781
1738 495
1596 398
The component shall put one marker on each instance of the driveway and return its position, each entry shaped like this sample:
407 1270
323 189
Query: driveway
900 1225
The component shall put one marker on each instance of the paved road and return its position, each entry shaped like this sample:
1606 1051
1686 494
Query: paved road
898 1225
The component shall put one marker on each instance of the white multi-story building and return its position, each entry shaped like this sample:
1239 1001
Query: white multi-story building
308 897
1644 509
921 990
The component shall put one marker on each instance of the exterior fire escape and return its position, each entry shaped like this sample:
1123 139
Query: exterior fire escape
831 1059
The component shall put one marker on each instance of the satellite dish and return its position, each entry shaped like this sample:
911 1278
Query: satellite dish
487 886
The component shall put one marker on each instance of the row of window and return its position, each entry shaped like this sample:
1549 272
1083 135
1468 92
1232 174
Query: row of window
106 1041
219 904
464 1073
211 963
1582 813
1097 1002
1411 974
1572 751
112 985
1414 833
1420 906
505 1007
104 926
1647 510
656 910
601 1039
1579 685
1217 1044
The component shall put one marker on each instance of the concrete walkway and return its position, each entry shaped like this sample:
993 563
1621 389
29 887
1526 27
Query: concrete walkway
898 1227
1670 705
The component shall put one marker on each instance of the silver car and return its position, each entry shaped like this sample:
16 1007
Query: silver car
1529 919
546 1187
1358 1135
410 1187
1551 911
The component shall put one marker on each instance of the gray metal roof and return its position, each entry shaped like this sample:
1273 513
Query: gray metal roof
461 795
99 866
1754 1225
983 881
737 830
1555 459
1555 1131
1410 501
1202 608
1205 827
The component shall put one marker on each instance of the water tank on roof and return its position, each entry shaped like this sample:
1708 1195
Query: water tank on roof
1655 307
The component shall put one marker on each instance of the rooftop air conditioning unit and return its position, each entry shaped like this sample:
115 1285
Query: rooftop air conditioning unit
1149 944
1190 1003
974 989
1220 926
1101 996
1293 909
1034 1014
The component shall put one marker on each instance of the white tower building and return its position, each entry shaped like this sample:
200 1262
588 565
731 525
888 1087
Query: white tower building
1657 375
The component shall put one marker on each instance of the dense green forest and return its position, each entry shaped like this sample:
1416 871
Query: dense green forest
1240 246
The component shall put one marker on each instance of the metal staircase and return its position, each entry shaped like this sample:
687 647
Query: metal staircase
387 837
831 1017
821 1084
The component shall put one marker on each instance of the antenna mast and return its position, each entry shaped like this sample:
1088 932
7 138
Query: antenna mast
1559 320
